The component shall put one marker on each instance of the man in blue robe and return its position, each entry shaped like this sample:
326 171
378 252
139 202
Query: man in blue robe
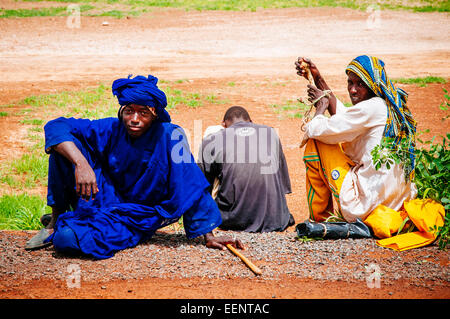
113 182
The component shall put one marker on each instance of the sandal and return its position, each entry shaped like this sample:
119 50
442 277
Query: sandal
37 241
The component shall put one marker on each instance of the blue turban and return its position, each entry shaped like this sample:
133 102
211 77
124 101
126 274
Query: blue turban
141 91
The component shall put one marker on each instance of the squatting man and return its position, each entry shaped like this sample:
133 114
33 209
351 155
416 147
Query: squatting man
113 182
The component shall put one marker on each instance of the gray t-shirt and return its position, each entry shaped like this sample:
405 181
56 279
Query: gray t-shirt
249 162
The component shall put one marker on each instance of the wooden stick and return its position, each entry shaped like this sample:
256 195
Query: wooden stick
250 265
305 67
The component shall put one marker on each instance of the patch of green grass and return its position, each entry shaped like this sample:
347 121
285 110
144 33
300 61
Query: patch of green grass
22 212
117 14
32 164
444 6
32 121
112 13
63 11
25 13
58 100
40 12
3 114
420 81
36 129
191 99
10 180
239 5
37 140
215 100
174 97
290 109
253 5
29 171
194 103
94 103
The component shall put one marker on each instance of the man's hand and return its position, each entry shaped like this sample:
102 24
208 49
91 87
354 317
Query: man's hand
318 81
321 104
86 182
220 242
313 94
312 67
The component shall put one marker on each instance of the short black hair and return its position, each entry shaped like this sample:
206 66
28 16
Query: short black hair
236 112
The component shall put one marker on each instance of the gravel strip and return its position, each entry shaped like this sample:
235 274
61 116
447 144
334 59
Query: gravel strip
169 254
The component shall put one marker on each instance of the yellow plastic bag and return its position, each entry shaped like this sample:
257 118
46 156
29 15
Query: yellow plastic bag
384 221
425 214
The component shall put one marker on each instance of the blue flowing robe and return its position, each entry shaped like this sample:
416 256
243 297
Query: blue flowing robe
144 184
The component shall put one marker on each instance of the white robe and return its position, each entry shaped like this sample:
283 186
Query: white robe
360 128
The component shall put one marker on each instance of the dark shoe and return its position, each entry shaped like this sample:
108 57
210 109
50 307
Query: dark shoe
339 230
45 219
37 241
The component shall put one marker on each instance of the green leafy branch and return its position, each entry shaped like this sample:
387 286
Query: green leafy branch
432 169
387 154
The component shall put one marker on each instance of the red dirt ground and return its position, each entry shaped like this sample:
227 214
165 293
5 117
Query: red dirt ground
256 51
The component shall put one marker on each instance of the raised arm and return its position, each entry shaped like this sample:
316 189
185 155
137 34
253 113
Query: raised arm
318 80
